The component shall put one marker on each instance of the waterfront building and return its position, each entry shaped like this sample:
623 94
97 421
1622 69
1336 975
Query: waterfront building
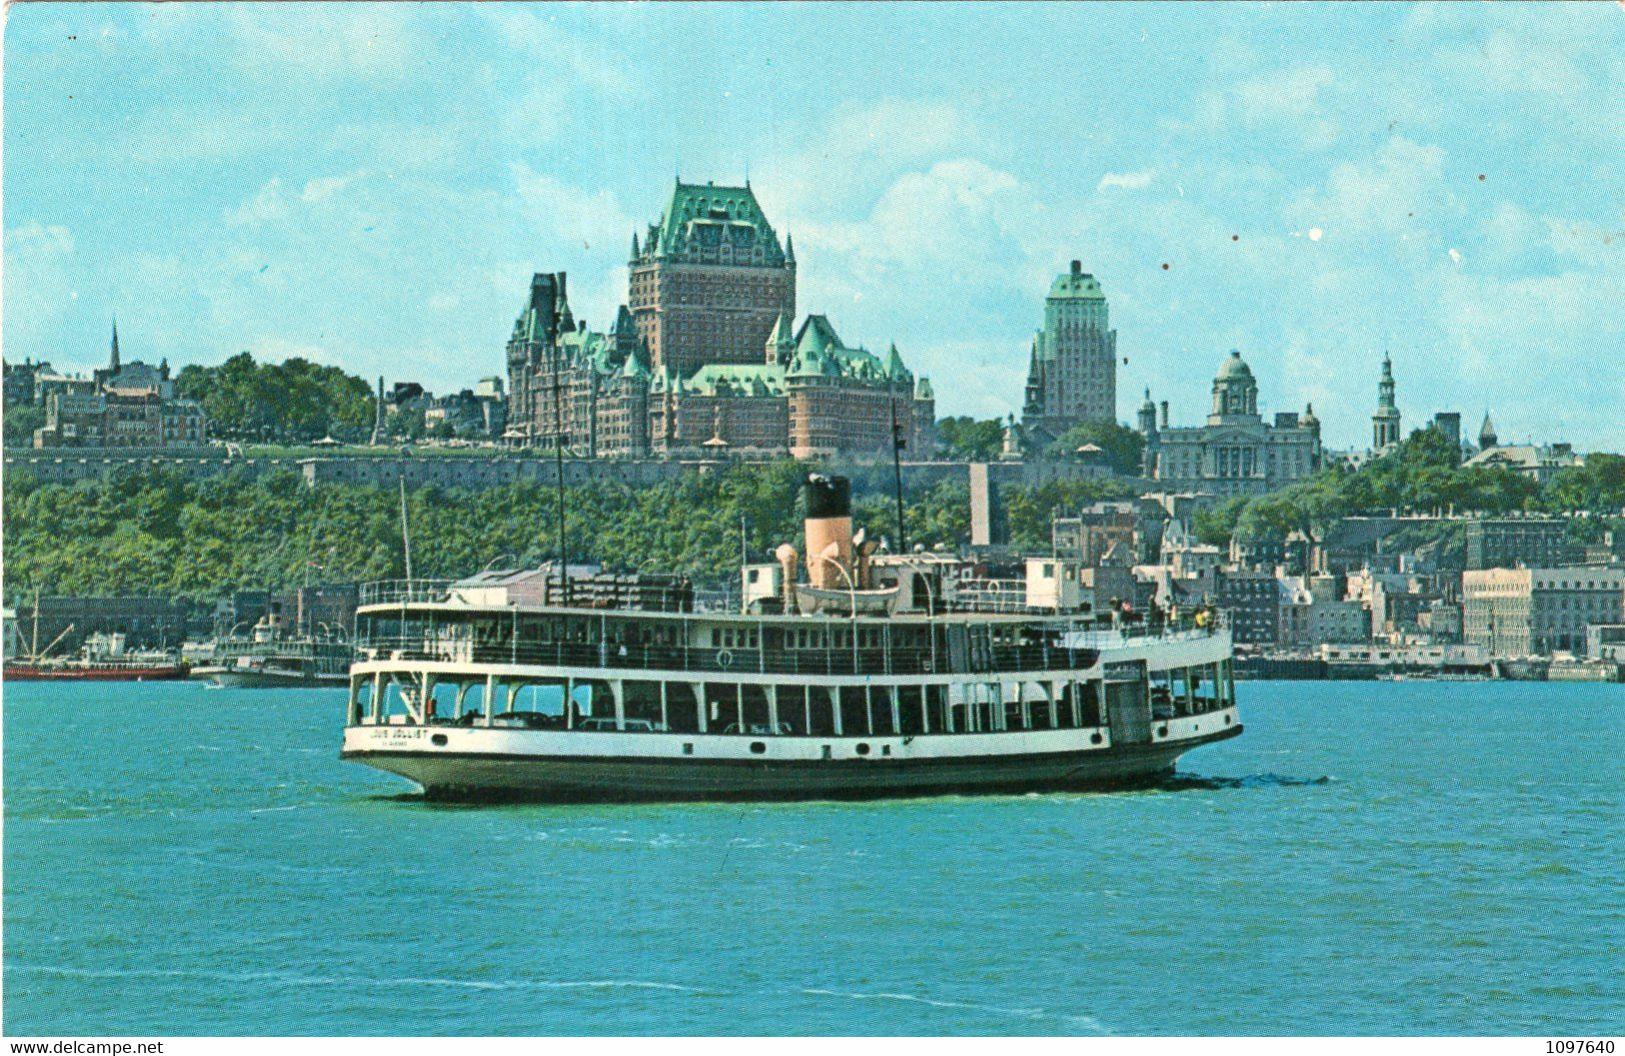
1292 618
1095 530
145 622
1385 422
1252 601
1517 612
1072 370
1312 613
1338 621
1236 452
705 360
1606 641
1505 542
1398 604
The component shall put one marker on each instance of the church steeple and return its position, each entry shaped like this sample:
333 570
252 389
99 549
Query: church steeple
1385 422
113 364
1486 433
789 249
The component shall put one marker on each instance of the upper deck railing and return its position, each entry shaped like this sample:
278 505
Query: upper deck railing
631 591
407 591
1058 649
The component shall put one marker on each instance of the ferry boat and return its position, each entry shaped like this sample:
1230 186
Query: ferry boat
531 685
269 657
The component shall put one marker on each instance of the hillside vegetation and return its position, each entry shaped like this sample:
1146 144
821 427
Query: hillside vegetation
158 533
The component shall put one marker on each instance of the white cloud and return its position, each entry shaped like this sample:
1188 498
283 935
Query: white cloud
1588 244
1508 232
269 203
589 63
373 41
1132 181
593 221
39 289
1392 196
327 186
1289 95
858 148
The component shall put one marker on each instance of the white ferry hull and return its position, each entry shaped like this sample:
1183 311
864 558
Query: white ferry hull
540 766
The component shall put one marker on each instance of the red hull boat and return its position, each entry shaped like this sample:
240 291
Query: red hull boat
94 672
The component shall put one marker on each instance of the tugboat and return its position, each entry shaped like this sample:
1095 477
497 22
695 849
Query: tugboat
531 685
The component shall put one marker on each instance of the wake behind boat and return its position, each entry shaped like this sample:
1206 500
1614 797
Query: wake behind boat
509 686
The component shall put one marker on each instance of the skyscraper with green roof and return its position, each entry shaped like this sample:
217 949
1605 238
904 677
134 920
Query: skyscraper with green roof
1072 373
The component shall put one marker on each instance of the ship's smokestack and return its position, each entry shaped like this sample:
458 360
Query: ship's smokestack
829 520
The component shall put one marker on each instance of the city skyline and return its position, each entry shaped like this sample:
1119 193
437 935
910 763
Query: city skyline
1315 192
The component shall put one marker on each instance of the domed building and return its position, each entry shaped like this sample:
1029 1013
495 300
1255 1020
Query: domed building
1236 452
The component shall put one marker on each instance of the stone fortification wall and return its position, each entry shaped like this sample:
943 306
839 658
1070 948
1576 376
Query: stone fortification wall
475 472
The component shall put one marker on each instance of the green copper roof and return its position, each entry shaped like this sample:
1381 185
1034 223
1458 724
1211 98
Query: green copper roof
1077 286
817 335
634 367
894 364
1234 368
737 379
707 217
783 331
820 353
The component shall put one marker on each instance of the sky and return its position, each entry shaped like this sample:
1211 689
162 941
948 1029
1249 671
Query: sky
372 185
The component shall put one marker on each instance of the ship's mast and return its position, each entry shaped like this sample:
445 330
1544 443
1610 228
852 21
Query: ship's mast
310 547
897 471
406 535
558 465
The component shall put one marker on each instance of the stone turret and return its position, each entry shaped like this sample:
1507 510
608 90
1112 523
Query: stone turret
1486 434
781 343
